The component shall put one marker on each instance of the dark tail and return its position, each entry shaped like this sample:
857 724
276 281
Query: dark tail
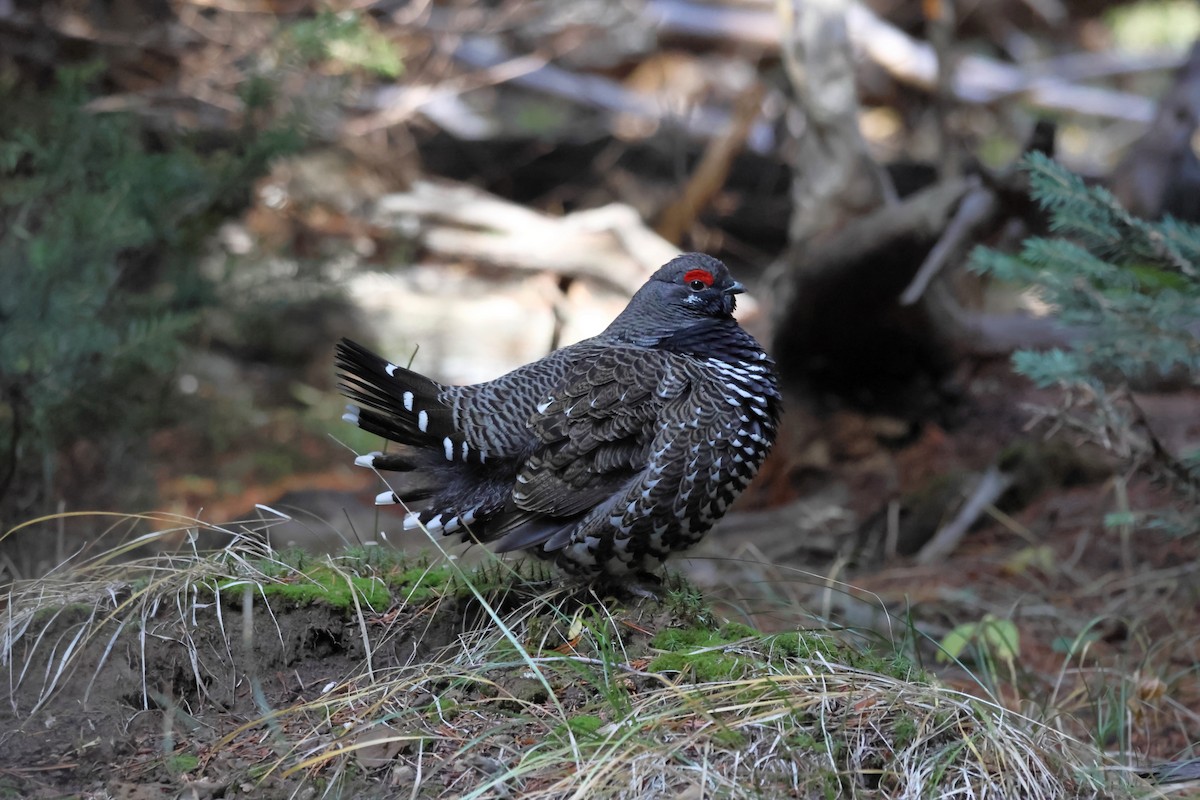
395 403
405 407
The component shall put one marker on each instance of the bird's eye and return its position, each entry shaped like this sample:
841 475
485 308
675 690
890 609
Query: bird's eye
698 279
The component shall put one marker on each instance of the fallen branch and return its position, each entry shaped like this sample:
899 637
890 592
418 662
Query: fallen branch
974 211
603 93
712 173
609 244
987 491
978 80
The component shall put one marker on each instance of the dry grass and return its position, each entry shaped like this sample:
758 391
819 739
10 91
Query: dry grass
482 685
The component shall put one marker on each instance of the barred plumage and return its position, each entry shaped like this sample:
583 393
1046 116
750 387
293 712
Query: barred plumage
607 455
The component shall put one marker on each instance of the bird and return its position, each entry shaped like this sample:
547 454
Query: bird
605 456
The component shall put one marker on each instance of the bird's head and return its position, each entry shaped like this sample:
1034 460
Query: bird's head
690 289
693 285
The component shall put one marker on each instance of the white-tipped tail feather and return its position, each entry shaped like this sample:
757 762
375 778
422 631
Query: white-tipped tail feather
367 460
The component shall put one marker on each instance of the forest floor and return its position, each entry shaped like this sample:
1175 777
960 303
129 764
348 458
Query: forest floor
1105 599
1082 628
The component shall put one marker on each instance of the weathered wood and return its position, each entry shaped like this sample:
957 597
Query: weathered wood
610 244
978 80
834 177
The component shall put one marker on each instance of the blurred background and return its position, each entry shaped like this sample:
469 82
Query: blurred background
199 197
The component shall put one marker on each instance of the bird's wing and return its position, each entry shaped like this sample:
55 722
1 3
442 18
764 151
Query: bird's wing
595 430
594 433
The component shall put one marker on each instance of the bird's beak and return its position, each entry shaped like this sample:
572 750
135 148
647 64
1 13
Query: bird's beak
734 288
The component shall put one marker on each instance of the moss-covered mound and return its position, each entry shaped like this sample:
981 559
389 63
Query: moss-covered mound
258 674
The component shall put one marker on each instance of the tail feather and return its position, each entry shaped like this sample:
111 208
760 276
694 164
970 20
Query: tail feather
390 462
407 408
535 532
397 403
412 496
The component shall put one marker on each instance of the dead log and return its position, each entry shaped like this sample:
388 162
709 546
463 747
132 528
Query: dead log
611 244
978 80
833 175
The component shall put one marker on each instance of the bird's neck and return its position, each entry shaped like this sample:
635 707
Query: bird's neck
719 337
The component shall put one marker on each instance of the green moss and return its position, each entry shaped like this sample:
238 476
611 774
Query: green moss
705 666
687 604
381 559
825 647
901 667
259 771
697 651
8 789
732 631
286 561
420 583
729 738
583 726
676 639
300 579
904 732
69 612
801 740
180 763
585 723
443 709
319 584
806 644
831 786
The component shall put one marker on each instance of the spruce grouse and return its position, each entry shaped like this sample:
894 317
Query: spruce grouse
607 455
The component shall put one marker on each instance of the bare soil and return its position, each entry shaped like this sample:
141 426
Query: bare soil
110 727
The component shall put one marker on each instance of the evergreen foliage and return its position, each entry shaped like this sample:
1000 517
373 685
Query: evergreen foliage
100 228
1131 286
1130 289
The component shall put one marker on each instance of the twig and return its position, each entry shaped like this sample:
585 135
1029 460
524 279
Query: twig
608 95
939 27
712 172
994 335
1174 467
1174 771
990 487
396 104
977 206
